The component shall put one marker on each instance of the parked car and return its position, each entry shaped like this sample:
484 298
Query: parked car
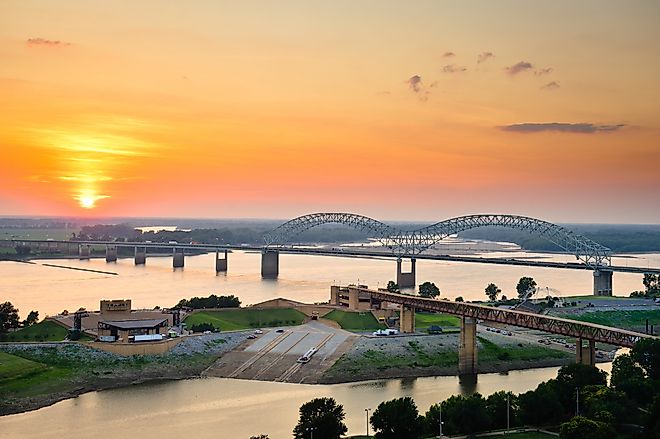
251 337
258 331
279 330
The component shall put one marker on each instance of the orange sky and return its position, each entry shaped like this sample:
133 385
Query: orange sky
397 110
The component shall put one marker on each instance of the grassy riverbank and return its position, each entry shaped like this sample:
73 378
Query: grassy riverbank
246 318
633 320
354 321
45 330
423 321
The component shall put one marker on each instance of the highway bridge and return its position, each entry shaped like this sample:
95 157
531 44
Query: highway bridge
396 243
471 314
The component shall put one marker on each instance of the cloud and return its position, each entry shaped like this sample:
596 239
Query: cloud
46 42
519 67
415 85
552 85
583 128
453 68
448 55
541 72
484 56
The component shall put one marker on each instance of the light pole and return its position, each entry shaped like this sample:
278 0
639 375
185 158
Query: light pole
577 401
366 411
507 413
311 432
440 418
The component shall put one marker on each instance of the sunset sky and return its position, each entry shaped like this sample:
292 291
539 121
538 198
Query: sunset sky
415 110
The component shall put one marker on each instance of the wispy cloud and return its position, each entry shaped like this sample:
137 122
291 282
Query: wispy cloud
416 86
453 68
46 42
484 56
552 85
583 128
448 55
518 67
542 72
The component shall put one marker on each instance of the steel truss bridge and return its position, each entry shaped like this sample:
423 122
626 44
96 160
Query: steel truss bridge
411 243
554 325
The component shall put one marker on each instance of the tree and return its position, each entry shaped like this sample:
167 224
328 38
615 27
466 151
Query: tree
324 415
496 407
646 352
542 405
428 289
397 419
461 414
583 428
630 379
8 317
261 436
652 427
492 291
525 285
393 287
31 319
651 283
459 299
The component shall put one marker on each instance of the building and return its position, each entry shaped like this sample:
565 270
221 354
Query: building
129 331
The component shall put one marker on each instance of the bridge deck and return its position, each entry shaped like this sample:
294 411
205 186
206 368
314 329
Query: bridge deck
554 325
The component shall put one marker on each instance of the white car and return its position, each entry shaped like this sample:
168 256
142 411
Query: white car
258 331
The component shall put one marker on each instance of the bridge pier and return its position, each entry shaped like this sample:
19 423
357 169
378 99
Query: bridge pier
220 264
334 295
177 258
407 319
602 283
84 251
353 298
270 263
467 347
405 280
110 253
585 354
140 256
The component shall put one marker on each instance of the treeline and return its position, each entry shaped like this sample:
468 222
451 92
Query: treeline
209 302
579 401
619 238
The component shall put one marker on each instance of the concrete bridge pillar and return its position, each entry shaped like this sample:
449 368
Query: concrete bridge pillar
220 264
270 263
585 354
110 253
84 251
405 280
140 255
177 258
467 347
353 298
602 283
407 319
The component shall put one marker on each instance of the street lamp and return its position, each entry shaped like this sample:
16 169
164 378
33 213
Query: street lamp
311 432
507 413
440 419
577 401
366 411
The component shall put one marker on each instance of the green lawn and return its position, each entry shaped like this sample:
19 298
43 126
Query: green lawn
528 435
354 321
43 331
489 351
246 318
635 320
12 367
424 320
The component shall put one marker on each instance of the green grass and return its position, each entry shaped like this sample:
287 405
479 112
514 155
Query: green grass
246 318
56 234
489 351
354 321
42 331
635 320
12 367
527 435
424 320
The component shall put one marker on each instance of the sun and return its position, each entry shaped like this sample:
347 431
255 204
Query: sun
87 201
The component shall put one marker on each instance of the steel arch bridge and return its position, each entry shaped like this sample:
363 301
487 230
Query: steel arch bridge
410 243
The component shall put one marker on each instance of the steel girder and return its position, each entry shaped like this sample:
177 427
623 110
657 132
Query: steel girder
554 325
415 242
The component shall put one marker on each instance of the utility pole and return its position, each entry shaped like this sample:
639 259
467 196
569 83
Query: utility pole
577 401
507 413
440 416
367 413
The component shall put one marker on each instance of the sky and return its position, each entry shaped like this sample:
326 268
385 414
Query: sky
415 110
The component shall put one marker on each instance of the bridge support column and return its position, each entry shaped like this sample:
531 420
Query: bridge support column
353 298
602 283
270 263
467 347
110 253
405 280
334 295
585 354
140 256
177 258
220 264
84 251
407 319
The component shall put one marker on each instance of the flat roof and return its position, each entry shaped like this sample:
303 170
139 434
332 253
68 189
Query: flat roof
134 324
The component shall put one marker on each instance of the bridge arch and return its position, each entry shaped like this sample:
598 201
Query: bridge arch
590 252
385 234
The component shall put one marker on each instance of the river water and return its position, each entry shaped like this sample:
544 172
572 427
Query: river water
223 408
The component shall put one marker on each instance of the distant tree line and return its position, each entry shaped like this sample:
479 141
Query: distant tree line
209 302
578 400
